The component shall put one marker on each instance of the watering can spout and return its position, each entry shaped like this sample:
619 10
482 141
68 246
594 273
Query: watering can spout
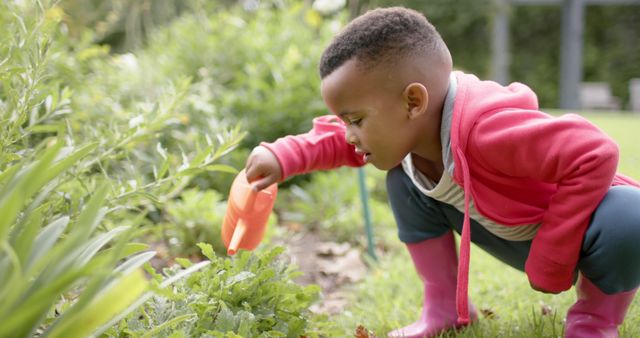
238 235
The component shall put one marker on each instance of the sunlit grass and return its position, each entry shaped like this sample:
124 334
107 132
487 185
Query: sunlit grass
391 295
625 129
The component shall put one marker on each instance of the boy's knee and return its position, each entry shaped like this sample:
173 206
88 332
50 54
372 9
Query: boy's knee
616 222
610 249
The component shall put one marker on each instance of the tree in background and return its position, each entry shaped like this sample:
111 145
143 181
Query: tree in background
611 48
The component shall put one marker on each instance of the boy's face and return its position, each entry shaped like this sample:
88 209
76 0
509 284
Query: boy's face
371 104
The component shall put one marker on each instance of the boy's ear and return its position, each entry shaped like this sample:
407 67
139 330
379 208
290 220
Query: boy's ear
416 99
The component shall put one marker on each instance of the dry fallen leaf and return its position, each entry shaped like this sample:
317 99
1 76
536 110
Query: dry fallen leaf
488 313
546 309
332 248
362 332
348 268
294 227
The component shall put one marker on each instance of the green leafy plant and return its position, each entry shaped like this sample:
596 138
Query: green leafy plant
250 295
57 278
193 218
40 263
258 64
78 177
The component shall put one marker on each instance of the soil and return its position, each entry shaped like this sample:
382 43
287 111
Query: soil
332 266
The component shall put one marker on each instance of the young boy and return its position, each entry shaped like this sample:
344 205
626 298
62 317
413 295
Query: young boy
538 192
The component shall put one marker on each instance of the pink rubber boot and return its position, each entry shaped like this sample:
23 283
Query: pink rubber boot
436 262
596 314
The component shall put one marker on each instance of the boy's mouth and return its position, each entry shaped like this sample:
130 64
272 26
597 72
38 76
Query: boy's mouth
365 155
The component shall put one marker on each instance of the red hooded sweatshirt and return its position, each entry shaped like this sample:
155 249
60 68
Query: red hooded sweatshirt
519 165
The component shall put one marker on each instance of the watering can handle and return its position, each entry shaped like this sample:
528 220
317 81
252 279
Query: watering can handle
250 200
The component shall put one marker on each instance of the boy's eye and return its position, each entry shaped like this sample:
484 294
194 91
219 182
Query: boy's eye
355 122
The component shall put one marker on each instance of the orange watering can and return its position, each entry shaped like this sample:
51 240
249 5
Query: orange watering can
247 214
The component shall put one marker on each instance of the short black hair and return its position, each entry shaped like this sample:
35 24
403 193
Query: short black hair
378 35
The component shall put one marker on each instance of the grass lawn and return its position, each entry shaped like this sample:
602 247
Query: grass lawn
391 296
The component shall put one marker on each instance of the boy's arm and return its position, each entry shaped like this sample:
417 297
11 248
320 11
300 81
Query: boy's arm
323 147
568 151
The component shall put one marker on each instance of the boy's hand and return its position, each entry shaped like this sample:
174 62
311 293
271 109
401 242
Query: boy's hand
262 168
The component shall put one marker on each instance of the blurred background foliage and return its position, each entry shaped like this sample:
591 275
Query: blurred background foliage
611 35
110 142
277 41
254 62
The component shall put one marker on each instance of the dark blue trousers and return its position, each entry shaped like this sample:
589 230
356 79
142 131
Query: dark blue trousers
610 255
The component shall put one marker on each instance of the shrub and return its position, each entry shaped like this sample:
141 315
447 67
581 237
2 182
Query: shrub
251 295
46 256
78 175
259 65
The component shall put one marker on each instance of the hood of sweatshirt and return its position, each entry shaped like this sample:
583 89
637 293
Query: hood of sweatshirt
473 99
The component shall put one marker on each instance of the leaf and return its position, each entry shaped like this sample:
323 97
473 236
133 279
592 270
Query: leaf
224 149
66 254
92 214
149 196
185 263
113 300
23 240
271 255
222 168
177 334
489 313
78 259
148 295
207 250
43 128
164 168
169 323
247 321
94 245
362 332
201 156
8 174
62 164
135 262
239 278
184 273
46 239
225 320
105 256
19 319
23 184
188 172
161 151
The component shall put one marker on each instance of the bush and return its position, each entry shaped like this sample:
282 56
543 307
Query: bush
78 175
259 66
251 295
55 278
